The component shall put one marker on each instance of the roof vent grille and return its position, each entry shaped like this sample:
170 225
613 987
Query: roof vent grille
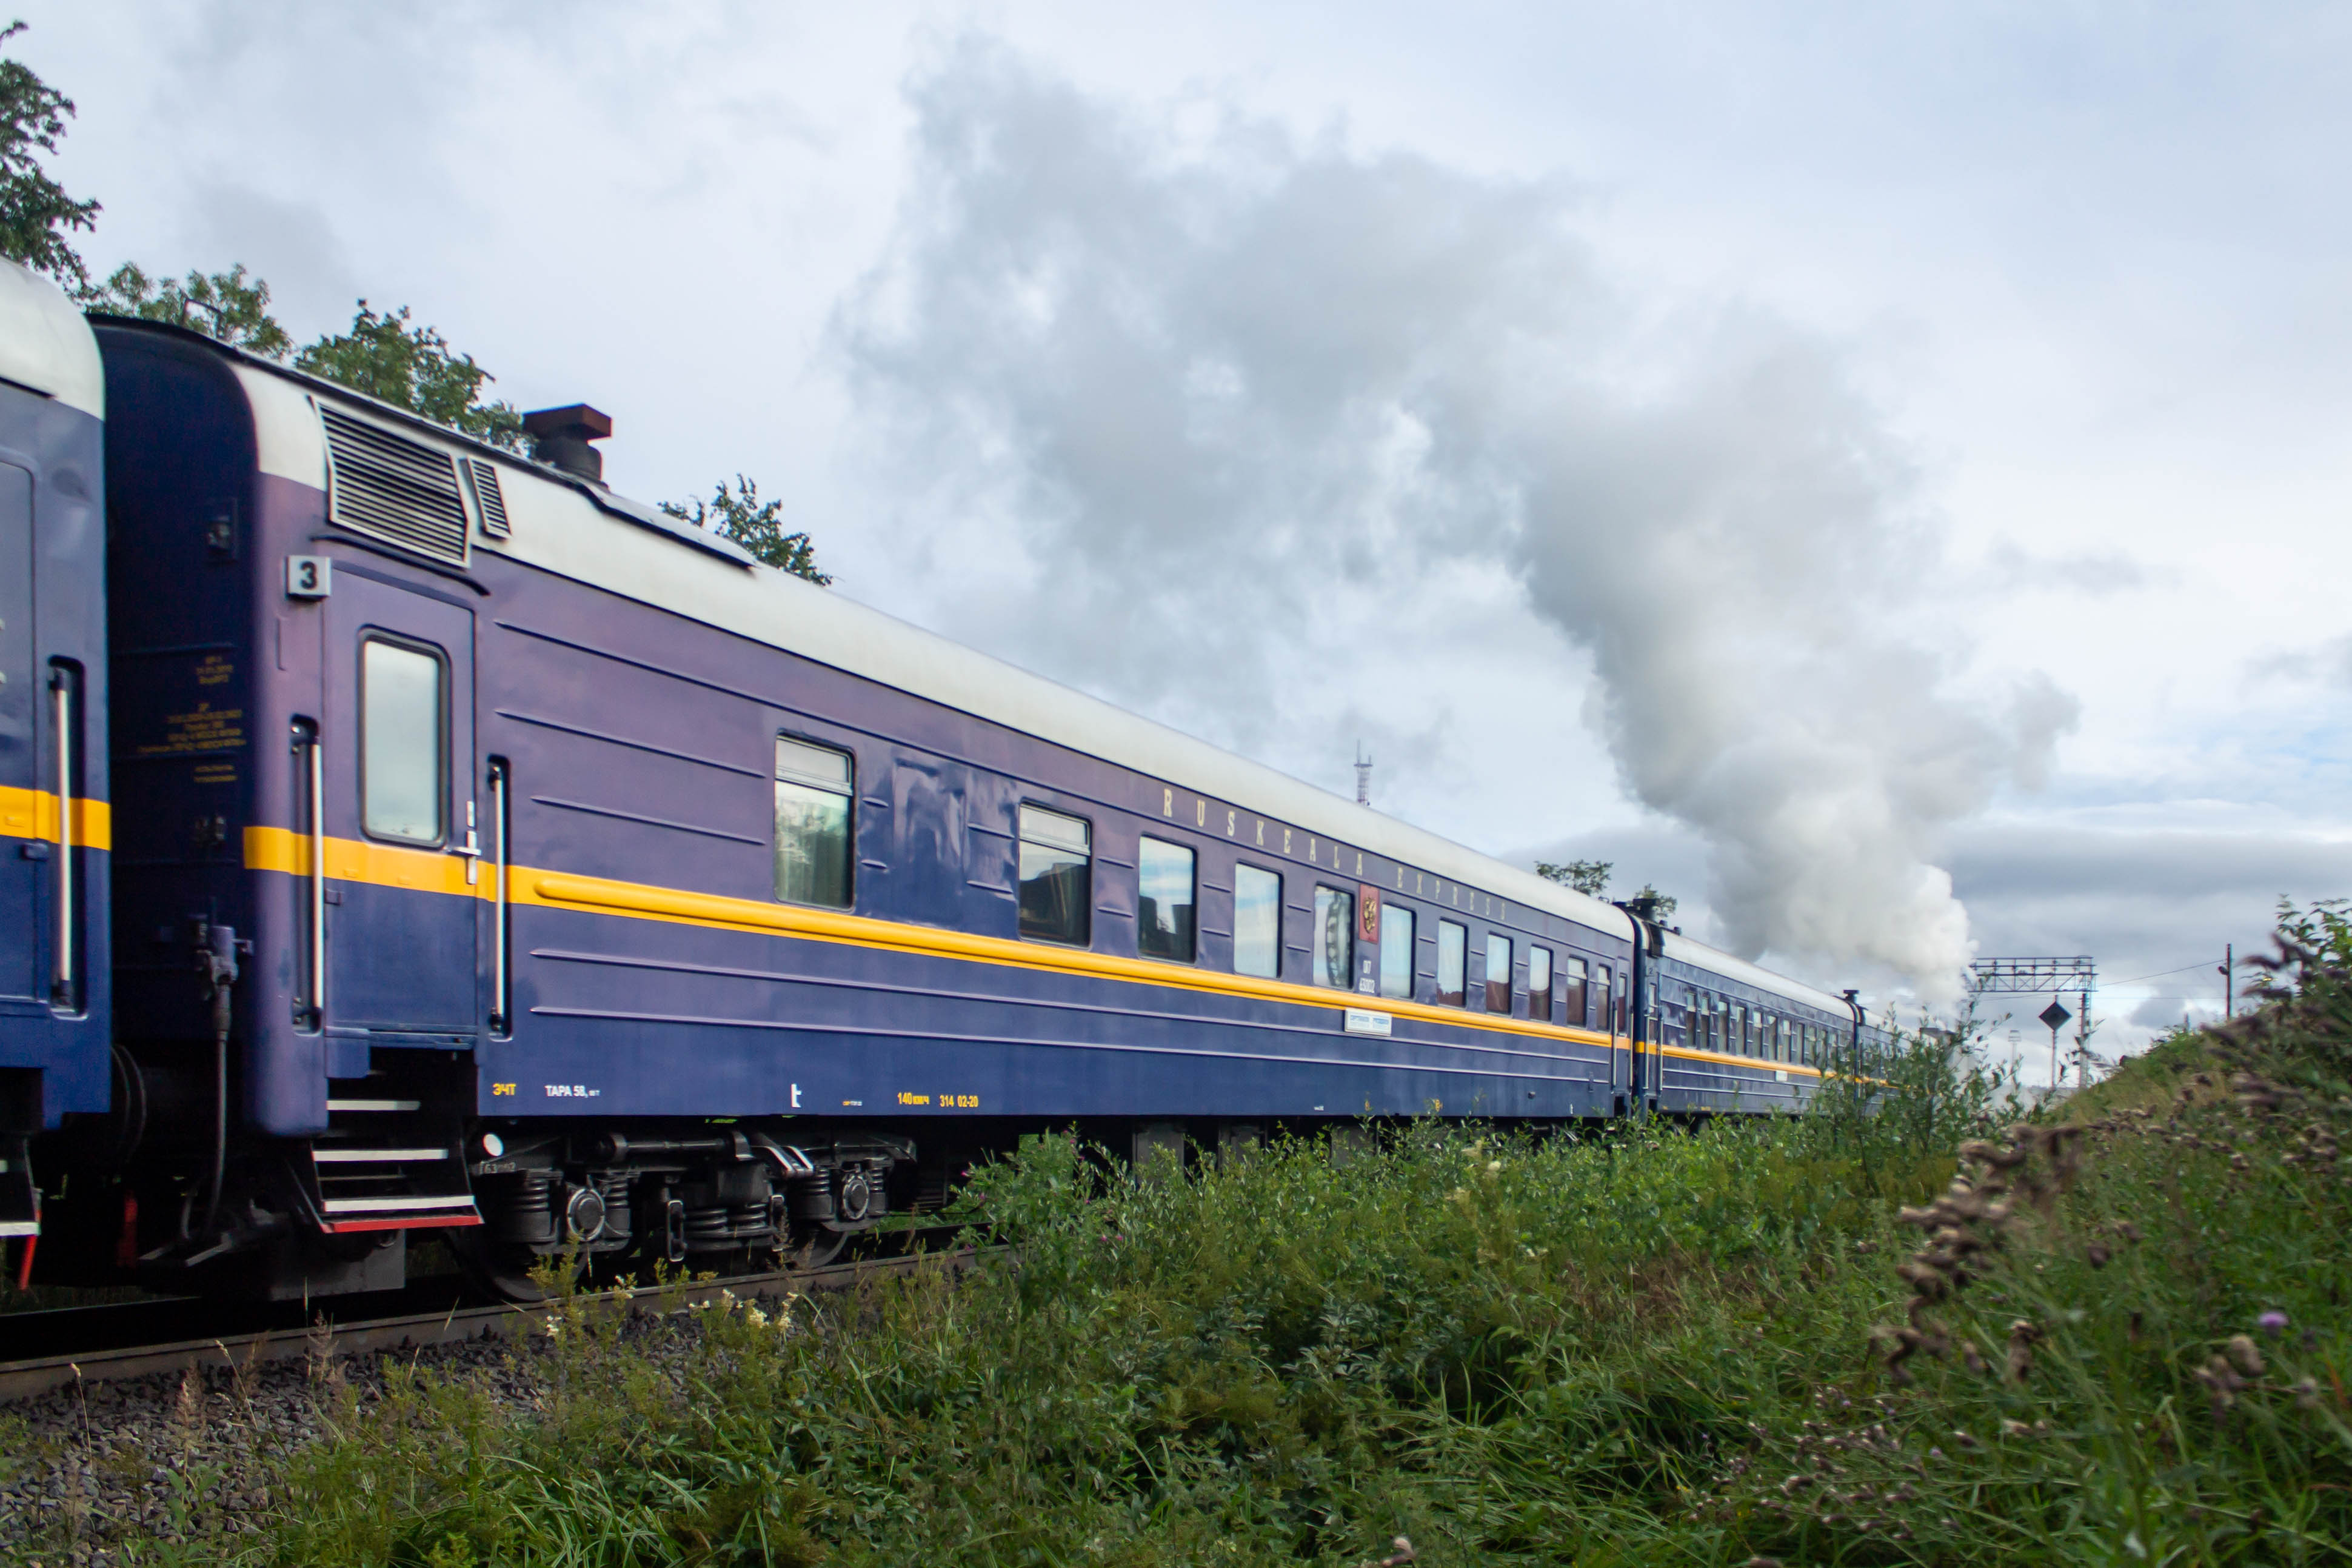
488 499
393 487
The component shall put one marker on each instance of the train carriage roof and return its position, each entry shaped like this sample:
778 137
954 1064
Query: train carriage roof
45 344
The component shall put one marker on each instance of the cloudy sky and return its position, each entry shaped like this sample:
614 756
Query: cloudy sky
1875 472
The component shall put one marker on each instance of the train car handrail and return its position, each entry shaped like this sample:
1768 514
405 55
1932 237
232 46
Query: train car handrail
61 696
499 1015
318 878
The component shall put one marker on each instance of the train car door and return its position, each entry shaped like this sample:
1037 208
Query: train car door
22 904
403 941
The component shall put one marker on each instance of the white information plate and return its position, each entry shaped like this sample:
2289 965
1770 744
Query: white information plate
1364 1021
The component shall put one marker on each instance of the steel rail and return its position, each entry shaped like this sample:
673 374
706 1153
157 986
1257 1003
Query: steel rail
457 1324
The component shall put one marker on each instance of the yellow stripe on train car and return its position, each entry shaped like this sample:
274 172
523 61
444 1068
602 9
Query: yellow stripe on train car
33 814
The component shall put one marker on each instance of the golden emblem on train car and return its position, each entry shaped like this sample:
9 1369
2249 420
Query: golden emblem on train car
1367 912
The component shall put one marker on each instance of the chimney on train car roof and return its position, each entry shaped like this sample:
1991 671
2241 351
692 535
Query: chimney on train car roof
560 438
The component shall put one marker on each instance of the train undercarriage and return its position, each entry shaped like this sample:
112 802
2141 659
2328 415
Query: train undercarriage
164 1194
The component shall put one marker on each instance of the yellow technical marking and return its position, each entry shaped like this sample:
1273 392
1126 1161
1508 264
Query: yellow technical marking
33 814
383 865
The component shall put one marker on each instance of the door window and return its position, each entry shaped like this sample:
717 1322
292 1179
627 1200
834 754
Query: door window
403 741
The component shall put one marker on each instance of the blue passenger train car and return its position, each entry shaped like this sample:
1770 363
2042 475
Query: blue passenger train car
54 826
505 861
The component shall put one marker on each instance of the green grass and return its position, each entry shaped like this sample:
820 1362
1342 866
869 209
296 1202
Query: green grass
1652 1345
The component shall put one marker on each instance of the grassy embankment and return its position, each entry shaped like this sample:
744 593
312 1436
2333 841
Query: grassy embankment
2121 1342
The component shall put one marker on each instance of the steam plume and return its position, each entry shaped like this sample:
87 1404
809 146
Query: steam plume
1234 394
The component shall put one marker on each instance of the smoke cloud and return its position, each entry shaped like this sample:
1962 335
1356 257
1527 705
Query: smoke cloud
1214 404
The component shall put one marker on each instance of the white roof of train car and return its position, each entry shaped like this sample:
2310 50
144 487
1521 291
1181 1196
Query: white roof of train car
45 343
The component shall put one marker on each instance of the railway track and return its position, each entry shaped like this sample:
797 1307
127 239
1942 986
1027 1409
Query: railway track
106 1343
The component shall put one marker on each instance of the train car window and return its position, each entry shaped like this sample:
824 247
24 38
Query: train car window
1163 910
1498 973
1335 938
1606 1021
1452 963
1764 1036
1540 983
403 752
1575 980
1056 876
813 795
1396 952
1624 1015
1780 1046
1257 922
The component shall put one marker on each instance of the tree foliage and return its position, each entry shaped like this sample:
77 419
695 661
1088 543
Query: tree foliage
758 526
413 368
35 214
1589 877
227 305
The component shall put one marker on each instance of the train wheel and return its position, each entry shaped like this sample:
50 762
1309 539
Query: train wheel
503 1270
818 1248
